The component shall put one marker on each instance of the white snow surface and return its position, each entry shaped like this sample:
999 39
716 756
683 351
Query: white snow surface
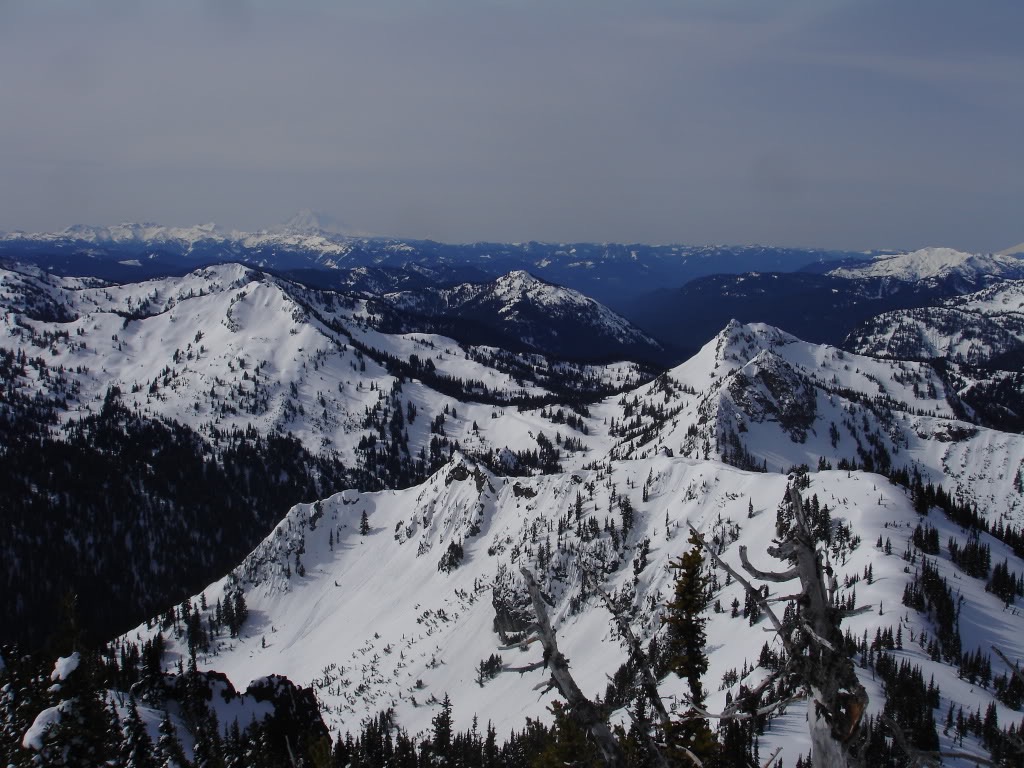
972 328
64 666
519 289
779 397
229 347
934 263
1001 298
45 720
373 623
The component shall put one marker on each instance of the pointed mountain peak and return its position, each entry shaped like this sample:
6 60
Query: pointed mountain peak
310 222
742 342
519 278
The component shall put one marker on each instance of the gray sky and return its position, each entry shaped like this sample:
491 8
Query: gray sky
869 123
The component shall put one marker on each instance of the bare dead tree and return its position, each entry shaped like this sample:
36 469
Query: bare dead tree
816 661
590 716
582 709
649 681
1015 669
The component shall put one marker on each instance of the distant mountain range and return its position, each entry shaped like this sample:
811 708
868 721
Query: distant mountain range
822 302
609 272
680 295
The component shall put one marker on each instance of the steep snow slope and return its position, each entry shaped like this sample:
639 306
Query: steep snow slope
378 620
366 618
756 397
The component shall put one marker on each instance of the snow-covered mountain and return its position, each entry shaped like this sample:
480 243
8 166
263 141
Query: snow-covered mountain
133 233
609 272
980 328
310 222
528 313
228 346
409 610
822 302
937 264
232 348
223 361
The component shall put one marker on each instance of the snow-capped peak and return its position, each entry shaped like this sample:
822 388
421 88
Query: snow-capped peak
520 283
742 342
310 222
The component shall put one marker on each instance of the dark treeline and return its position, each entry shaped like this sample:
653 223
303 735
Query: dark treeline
130 514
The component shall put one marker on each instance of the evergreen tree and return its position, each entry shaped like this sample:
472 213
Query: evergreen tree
209 750
136 748
683 650
567 744
441 743
490 748
364 524
169 752
85 731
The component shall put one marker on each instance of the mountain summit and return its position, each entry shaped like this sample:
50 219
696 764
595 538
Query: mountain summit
936 264
310 222
529 314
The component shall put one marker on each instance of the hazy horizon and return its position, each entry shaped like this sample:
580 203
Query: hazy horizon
838 124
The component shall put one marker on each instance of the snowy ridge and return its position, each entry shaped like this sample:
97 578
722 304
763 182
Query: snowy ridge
403 611
375 621
129 232
755 396
547 317
229 347
1003 297
976 328
936 263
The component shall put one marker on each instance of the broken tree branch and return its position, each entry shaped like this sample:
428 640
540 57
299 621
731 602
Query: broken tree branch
650 681
581 708
761 600
778 578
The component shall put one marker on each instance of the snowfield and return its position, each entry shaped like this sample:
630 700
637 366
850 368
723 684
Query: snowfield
935 263
372 622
